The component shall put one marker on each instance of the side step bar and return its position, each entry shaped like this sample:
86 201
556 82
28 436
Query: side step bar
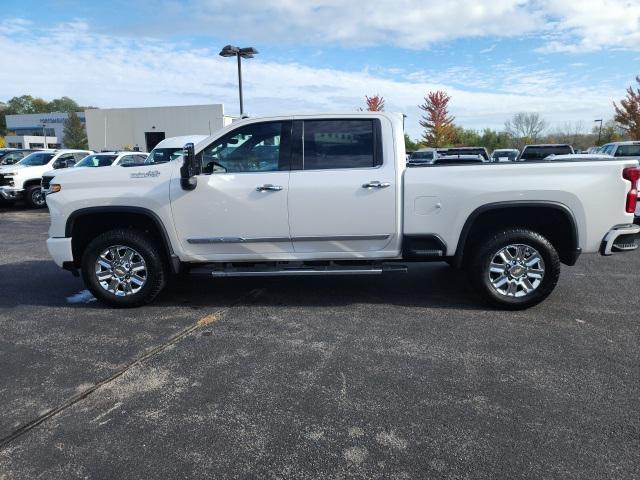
279 270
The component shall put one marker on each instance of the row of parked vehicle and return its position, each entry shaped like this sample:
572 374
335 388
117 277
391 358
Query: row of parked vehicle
548 152
22 170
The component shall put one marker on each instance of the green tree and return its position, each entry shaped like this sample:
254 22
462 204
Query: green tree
25 104
64 104
75 135
409 144
611 132
466 137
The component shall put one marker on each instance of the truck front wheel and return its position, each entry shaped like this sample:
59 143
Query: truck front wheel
34 197
515 269
123 268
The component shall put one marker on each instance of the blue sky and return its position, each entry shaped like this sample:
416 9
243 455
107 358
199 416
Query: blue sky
567 59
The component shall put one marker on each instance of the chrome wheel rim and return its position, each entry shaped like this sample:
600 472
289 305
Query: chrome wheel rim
516 270
121 270
37 197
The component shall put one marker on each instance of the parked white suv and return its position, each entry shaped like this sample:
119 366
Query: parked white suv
332 194
23 179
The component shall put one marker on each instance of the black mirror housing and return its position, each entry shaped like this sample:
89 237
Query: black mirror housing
189 169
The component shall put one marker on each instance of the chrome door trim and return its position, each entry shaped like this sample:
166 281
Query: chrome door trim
334 238
206 241
340 238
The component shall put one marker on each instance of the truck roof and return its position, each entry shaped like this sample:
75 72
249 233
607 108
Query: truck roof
179 142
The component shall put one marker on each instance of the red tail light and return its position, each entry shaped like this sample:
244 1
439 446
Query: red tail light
633 175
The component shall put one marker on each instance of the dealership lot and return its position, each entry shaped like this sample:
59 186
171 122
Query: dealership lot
402 376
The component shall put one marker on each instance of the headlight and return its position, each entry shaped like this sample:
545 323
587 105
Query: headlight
54 188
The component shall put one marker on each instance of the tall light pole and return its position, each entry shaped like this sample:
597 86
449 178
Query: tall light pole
44 134
599 131
240 53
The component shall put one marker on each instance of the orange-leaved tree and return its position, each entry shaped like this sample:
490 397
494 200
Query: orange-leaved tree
437 123
628 113
374 103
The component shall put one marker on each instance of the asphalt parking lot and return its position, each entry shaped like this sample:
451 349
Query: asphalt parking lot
402 376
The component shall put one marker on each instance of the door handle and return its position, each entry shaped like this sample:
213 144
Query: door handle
376 184
268 188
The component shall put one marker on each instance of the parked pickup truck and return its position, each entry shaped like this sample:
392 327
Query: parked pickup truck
331 194
22 180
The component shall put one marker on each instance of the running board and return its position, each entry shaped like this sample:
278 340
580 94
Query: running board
302 270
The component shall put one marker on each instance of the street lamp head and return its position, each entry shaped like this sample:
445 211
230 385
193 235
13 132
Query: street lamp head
598 120
229 51
248 52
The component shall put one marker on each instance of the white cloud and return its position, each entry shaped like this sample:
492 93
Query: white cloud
414 24
111 71
569 25
591 25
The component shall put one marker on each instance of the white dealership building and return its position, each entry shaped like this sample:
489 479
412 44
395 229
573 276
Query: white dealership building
142 128
117 128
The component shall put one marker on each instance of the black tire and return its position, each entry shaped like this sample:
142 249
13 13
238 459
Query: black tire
155 272
34 197
487 251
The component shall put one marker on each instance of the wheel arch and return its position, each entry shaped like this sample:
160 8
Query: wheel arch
553 220
86 223
31 182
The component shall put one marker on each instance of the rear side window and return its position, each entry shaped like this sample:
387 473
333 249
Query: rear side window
333 144
628 151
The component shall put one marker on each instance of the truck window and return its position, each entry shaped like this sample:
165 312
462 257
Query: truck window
259 147
331 144
542 152
628 151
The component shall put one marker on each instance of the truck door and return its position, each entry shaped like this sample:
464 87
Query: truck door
343 189
238 209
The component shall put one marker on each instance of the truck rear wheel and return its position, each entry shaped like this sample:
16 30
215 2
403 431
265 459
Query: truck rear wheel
34 197
124 268
515 269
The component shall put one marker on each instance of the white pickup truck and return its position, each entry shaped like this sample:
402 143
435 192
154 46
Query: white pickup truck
22 180
331 194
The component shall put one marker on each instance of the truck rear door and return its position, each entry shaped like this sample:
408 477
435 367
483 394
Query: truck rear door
342 188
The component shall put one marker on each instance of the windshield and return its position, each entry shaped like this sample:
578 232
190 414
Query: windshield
36 159
96 161
163 155
421 156
510 154
628 151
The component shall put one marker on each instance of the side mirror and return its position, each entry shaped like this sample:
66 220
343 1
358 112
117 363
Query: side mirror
58 164
189 169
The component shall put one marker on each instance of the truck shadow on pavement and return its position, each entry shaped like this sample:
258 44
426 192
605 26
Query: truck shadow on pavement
42 283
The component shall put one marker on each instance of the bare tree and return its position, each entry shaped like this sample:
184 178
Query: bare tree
525 127
571 133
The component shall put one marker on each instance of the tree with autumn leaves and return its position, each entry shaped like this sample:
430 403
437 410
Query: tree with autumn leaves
628 113
438 124
374 103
